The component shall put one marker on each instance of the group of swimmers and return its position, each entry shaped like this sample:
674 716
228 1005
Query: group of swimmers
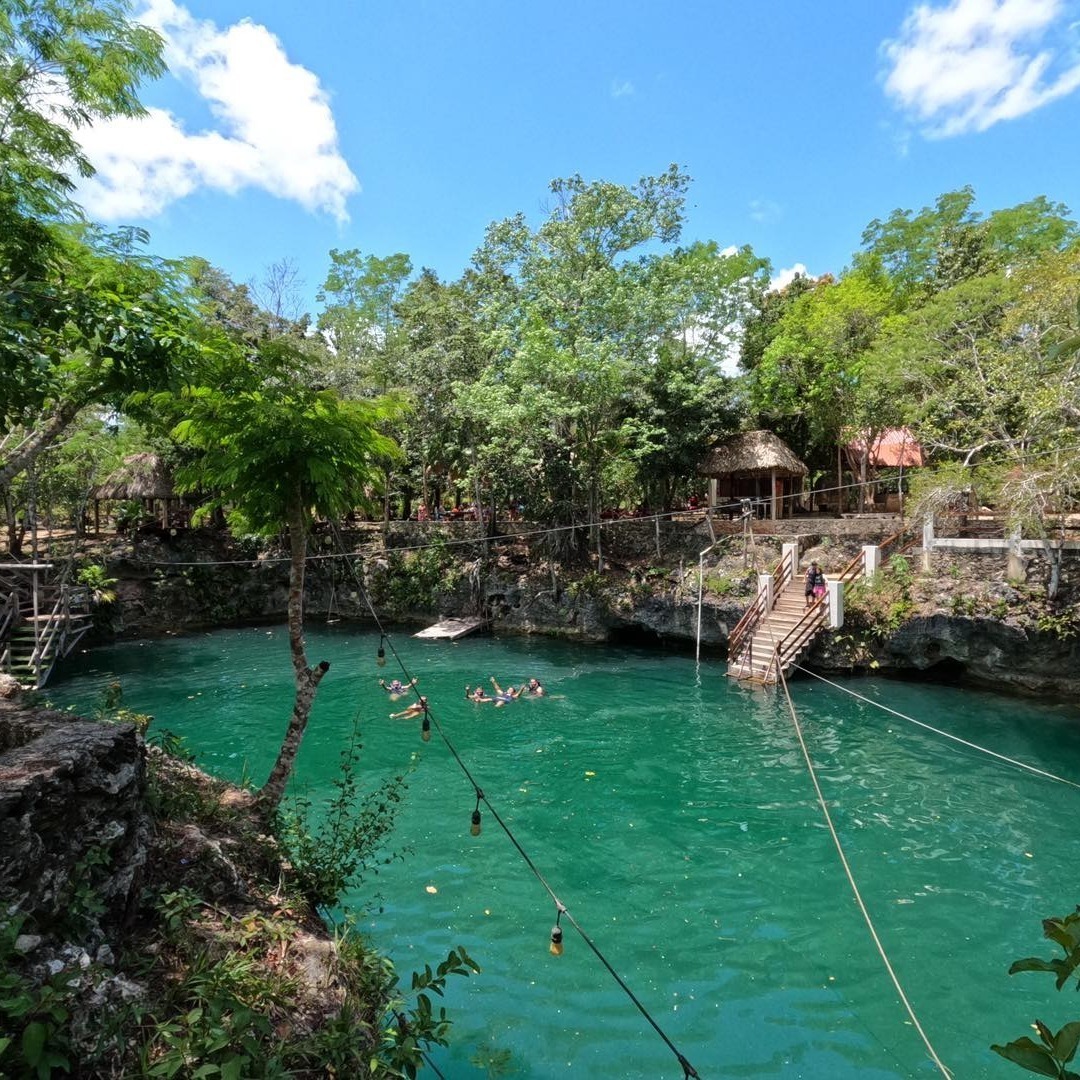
532 688
395 688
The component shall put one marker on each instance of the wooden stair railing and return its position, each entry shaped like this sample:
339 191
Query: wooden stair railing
744 629
797 638
785 651
33 638
756 611
9 618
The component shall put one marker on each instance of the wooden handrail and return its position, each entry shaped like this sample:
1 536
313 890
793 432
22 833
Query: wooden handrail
793 641
853 569
755 612
750 618
41 639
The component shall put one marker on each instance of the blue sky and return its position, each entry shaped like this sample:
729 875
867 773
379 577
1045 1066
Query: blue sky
286 129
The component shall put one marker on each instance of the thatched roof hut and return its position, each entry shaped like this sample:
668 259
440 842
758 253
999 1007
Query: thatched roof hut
146 479
752 453
142 476
756 465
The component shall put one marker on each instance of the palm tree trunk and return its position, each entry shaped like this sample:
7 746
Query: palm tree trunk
307 678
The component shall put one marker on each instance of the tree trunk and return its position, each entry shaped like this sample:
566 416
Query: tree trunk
40 439
839 481
307 679
15 531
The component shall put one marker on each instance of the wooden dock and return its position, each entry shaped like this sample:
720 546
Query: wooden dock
451 629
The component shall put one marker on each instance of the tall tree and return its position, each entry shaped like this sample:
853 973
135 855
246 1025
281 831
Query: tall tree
807 380
441 348
280 455
73 322
107 322
361 294
573 316
951 242
63 65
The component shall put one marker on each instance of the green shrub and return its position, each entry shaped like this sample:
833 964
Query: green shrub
879 605
34 1037
331 851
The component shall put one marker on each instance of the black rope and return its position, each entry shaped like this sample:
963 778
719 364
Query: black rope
688 1070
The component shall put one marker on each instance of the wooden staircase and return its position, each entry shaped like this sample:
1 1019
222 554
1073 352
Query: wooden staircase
779 637
768 640
40 621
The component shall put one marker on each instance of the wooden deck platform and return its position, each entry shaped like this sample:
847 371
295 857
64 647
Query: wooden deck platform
451 629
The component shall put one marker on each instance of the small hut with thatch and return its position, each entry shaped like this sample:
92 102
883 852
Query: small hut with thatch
142 478
755 465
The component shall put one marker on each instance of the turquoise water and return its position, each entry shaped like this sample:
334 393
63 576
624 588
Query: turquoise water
672 813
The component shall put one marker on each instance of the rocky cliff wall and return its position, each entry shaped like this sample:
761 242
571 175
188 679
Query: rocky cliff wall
964 618
72 818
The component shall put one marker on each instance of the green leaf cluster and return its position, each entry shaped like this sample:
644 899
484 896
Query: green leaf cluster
1055 1050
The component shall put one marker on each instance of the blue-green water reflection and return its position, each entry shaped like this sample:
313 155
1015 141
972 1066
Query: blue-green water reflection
672 813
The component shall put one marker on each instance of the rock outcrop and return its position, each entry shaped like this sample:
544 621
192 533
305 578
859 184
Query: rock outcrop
990 653
72 819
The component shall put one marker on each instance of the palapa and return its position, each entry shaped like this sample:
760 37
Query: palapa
142 476
752 454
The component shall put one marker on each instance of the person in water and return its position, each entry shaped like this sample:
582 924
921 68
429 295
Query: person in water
502 697
417 708
395 687
478 694
532 688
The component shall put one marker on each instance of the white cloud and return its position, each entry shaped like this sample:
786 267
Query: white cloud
969 64
272 127
784 278
621 88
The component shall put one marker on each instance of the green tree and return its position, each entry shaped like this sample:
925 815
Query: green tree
360 317
108 322
441 347
63 65
808 379
280 455
941 246
576 316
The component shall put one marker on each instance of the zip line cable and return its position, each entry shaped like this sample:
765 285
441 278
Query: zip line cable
938 731
854 887
782 680
689 1072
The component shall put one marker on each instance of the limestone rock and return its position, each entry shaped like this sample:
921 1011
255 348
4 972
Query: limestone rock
72 817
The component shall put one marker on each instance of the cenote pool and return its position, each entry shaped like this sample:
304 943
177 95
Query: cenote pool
672 813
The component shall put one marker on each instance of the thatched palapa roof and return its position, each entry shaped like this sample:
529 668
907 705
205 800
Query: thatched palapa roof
752 453
142 476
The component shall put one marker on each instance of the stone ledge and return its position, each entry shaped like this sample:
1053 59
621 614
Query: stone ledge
71 812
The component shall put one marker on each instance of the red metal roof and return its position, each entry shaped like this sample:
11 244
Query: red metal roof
890 448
